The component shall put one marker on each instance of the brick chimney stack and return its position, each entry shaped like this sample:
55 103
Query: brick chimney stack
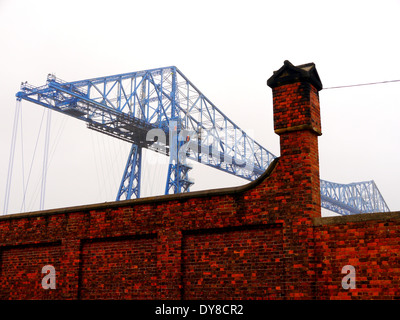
298 123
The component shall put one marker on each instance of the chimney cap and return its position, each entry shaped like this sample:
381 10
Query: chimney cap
289 73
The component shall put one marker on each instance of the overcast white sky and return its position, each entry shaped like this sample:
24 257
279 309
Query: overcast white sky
228 49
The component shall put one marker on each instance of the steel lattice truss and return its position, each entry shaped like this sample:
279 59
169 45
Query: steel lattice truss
160 109
352 198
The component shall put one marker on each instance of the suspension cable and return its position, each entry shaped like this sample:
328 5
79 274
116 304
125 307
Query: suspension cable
22 158
33 158
11 159
45 160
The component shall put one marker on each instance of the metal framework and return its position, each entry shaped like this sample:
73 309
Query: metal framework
130 184
160 109
352 198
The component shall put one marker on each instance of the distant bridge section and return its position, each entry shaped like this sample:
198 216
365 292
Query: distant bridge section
352 198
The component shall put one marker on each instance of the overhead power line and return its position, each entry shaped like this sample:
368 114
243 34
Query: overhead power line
361 84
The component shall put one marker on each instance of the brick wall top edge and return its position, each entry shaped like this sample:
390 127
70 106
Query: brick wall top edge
362 217
156 199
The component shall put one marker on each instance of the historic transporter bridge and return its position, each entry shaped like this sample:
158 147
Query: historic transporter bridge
160 109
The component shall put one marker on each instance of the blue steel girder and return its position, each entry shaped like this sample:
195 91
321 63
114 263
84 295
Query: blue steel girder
130 183
128 105
352 198
177 178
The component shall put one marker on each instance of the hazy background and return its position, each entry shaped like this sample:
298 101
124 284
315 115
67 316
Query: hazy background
228 49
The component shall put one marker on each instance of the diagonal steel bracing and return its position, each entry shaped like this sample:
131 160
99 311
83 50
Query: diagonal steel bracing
130 184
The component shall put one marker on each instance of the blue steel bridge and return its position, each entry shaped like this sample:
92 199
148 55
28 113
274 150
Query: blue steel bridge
162 110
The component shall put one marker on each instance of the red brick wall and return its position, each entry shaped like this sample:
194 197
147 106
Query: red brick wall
21 267
119 267
368 242
233 263
264 240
